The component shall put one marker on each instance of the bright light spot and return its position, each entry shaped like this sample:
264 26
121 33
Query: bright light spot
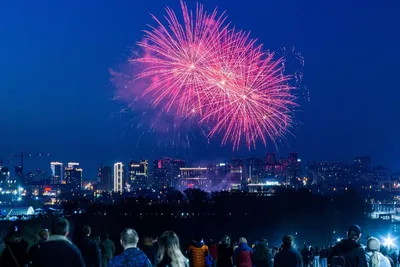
264 117
19 199
298 160
36 198
192 66
193 110
244 97
338 240
388 242
223 82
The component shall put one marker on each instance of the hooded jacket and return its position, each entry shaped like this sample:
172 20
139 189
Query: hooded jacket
243 256
352 252
58 251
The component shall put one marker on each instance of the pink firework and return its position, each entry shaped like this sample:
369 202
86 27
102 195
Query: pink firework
176 57
205 68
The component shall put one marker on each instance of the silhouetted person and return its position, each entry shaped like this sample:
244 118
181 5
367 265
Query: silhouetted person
107 250
305 254
243 254
58 250
132 256
42 236
373 256
262 256
225 253
15 252
197 253
88 247
348 252
288 256
149 249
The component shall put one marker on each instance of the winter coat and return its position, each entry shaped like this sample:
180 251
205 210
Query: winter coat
16 248
225 255
288 257
352 252
132 257
90 252
262 256
243 256
107 248
197 255
58 251
383 261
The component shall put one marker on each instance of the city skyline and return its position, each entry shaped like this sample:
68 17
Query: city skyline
58 98
138 167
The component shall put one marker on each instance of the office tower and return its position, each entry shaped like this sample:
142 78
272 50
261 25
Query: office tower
163 173
106 181
118 177
138 174
4 177
57 172
254 170
193 178
73 176
236 171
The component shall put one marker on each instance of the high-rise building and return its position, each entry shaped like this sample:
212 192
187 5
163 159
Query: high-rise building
105 179
118 177
73 176
163 173
57 172
177 164
193 178
138 174
4 177
236 171
254 170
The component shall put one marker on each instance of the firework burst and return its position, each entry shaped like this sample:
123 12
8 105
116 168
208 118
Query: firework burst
203 67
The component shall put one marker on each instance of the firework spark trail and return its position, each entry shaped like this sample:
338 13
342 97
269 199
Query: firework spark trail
176 56
205 68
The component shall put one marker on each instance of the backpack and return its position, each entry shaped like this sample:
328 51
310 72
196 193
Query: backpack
209 260
338 261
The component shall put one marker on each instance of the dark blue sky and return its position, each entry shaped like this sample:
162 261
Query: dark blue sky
56 96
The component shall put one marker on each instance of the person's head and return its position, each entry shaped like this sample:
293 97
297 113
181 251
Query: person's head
60 227
226 240
106 235
169 250
129 238
43 234
86 230
198 239
147 241
354 232
373 245
242 240
287 241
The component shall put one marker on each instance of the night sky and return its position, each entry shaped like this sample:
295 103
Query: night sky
56 94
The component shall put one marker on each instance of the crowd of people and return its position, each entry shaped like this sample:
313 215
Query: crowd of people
54 248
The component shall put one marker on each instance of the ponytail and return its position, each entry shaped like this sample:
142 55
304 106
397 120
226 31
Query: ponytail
374 261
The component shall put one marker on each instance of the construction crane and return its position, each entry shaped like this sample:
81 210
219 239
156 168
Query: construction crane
22 155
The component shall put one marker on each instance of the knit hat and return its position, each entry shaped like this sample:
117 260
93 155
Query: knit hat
373 244
354 231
